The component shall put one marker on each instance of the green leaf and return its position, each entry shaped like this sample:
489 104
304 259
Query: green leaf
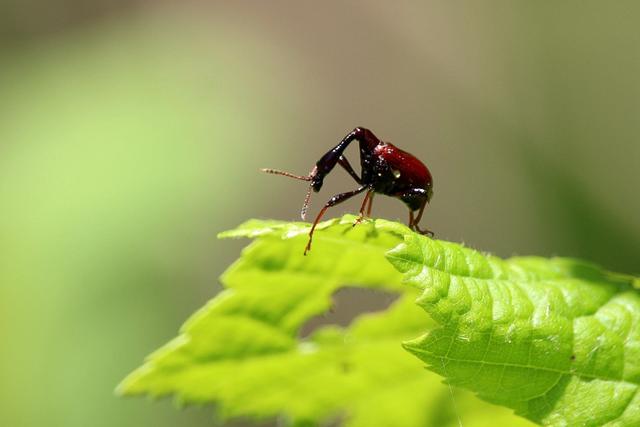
558 340
245 352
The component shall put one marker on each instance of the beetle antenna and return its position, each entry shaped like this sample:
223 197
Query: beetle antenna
290 175
305 206
312 174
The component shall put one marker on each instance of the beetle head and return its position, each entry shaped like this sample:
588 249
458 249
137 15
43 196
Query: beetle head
317 179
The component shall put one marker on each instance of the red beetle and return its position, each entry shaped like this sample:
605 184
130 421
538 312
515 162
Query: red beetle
385 169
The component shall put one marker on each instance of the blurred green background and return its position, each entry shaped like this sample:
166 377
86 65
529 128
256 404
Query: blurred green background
131 132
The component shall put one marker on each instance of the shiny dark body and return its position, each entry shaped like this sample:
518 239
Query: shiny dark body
385 169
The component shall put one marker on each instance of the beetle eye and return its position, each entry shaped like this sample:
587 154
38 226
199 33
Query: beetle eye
396 173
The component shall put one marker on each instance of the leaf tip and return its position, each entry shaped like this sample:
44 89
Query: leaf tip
413 346
122 389
131 384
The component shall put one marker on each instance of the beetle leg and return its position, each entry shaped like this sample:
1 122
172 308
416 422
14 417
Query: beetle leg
347 166
338 198
370 204
366 205
417 220
420 212
414 220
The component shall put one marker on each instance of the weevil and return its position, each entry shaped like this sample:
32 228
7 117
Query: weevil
385 169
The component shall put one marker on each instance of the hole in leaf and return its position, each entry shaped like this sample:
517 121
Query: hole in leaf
348 304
